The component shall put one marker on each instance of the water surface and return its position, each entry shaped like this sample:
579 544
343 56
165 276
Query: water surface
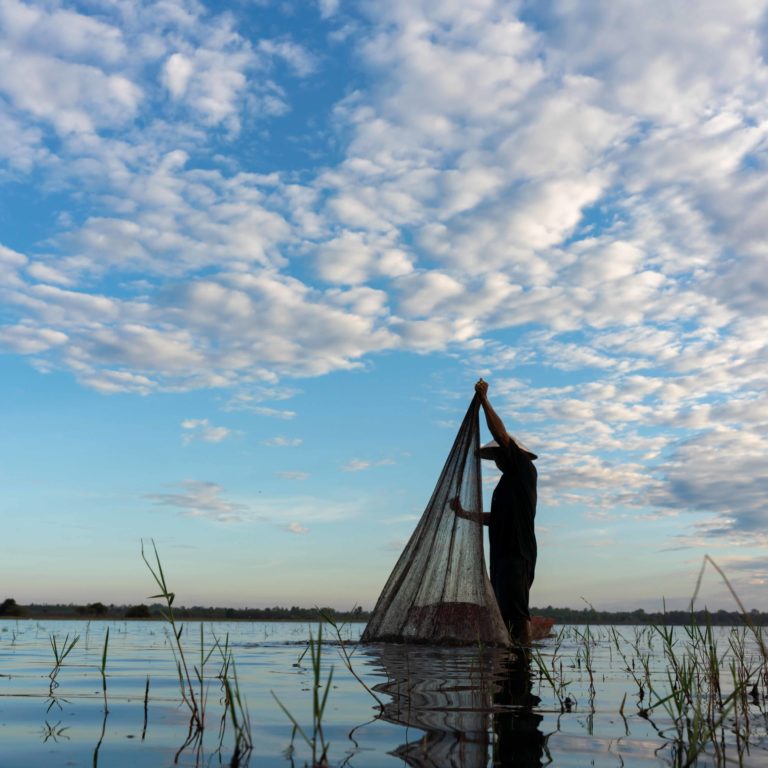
576 701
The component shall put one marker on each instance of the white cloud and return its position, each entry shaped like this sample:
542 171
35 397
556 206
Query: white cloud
284 442
22 145
311 510
272 412
353 258
27 340
176 73
48 274
358 465
61 32
202 499
360 300
297 528
205 499
210 81
73 97
294 55
719 471
10 263
110 382
202 429
425 294
328 7
293 475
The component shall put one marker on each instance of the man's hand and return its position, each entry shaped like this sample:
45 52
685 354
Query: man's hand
483 518
482 389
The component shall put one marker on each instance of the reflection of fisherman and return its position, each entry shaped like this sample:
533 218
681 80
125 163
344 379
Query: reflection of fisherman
518 738
457 697
510 522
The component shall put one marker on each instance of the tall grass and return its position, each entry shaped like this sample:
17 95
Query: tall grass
316 739
60 653
552 673
235 705
693 698
699 689
194 685
186 685
103 669
585 653
346 656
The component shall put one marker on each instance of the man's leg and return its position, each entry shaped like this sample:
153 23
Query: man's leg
520 618
521 631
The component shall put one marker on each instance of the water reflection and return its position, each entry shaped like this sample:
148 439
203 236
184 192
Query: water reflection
54 732
475 706
519 740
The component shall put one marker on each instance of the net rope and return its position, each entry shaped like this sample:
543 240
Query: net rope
439 591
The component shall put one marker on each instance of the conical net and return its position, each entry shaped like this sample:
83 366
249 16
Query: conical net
439 591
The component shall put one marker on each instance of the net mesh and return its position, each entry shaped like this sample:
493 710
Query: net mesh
439 591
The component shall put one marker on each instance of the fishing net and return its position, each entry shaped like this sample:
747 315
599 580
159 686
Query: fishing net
439 591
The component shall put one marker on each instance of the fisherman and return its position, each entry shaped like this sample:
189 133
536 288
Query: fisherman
510 521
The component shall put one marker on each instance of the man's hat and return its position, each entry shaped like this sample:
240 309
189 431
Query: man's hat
491 450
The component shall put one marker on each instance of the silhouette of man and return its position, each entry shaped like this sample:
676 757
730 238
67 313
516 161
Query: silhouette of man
510 522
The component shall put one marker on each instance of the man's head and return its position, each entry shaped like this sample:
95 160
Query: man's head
492 451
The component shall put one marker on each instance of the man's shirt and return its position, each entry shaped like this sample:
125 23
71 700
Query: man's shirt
513 508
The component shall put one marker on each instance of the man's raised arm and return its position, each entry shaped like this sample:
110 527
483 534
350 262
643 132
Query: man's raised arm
495 424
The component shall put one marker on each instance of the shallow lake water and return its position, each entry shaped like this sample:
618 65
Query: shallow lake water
585 696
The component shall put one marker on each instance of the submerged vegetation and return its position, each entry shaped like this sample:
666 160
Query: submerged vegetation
700 688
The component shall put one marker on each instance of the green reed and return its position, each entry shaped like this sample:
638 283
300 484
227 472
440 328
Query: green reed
707 685
235 705
553 673
146 710
186 684
194 685
104 669
346 656
585 653
739 668
694 699
316 740
619 642
60 652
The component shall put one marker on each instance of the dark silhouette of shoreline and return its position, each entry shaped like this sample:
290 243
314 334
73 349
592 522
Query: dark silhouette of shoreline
95 611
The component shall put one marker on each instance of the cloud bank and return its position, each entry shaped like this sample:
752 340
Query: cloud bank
526 184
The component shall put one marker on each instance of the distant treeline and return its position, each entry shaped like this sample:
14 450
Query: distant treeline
592 616
9 608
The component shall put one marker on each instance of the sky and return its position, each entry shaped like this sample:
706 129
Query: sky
254 256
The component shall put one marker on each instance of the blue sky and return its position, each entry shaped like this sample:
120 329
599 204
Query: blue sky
254 256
